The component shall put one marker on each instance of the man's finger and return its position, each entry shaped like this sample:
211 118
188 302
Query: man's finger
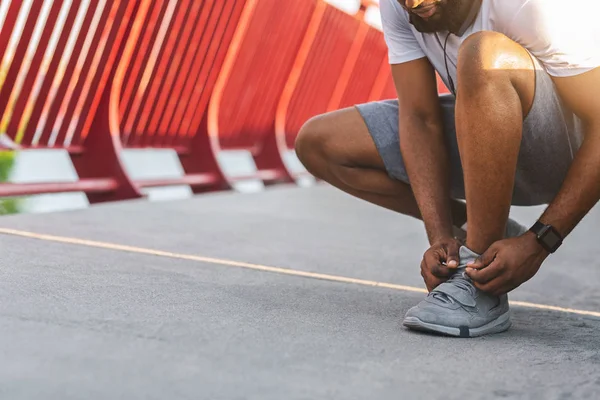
487 274
452 259
433 263
485 259
439 271
428 278
430 281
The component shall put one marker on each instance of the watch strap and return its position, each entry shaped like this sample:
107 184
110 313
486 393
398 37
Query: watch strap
537 227
543 232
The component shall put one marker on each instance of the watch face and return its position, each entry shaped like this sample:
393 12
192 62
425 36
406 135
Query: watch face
551 239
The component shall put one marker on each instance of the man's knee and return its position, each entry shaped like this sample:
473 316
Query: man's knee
486 57
337 139
491 60
310 144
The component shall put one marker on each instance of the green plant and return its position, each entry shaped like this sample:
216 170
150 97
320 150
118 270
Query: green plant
7 205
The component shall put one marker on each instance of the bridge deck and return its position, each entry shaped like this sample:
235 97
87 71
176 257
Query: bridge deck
269 296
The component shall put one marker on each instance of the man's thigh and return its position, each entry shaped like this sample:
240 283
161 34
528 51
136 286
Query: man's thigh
551 136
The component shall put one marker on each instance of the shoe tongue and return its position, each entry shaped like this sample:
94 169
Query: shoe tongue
466 256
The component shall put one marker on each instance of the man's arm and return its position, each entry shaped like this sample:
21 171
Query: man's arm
509 263
581 189
540 26
422 144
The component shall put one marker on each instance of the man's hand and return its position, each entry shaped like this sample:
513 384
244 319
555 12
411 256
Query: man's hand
440 262
507 264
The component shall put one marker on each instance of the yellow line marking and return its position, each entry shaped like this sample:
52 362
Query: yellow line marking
258 267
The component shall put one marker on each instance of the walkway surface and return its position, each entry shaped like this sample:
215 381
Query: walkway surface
270 296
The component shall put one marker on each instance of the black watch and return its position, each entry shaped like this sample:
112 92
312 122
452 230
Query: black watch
547 236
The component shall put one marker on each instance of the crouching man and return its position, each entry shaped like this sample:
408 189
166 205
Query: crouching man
521 127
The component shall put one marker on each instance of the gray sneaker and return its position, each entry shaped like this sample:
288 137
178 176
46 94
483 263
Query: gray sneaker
458 308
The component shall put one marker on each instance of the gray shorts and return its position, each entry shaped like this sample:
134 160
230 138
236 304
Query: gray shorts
551 136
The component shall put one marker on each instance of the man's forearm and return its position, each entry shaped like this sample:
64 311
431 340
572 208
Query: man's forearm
581 189
427 165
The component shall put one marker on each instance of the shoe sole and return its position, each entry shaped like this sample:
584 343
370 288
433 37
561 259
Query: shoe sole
500 324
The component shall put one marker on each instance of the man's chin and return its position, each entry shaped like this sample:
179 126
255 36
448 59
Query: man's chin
431 24
435 18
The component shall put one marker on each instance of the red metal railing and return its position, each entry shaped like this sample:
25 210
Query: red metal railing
318 71
51 96
195 76
243 107
166 79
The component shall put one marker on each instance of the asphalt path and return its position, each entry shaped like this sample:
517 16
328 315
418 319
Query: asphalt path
292 293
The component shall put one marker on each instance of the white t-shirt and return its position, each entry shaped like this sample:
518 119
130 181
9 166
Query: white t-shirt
563 35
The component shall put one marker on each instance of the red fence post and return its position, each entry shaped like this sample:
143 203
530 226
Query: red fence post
63 103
